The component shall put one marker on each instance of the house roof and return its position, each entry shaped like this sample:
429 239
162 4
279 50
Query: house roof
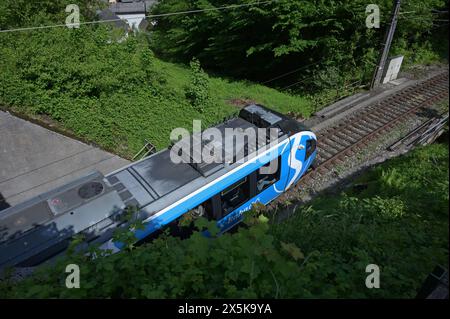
108 15
128 7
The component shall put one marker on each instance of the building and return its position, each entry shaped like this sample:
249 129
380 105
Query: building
132 12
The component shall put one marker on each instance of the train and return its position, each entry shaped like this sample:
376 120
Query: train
165 186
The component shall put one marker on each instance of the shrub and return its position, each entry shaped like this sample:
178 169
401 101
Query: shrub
246 264
197 92
320 252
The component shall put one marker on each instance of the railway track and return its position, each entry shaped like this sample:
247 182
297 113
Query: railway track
349 136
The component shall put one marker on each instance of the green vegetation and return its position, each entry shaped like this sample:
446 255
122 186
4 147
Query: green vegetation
112 93
197 92
227 90
117 93
396 216
246 264
399 222
327 42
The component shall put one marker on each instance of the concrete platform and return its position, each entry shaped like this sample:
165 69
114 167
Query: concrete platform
34 160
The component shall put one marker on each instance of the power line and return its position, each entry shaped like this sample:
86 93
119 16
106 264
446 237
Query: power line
347 64
421 12
291 85
350 87
435 26
431 11
301 68
293 71
421 15
303 80
298 69
423 19
148 16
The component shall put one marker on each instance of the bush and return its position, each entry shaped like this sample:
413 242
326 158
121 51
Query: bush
320 252
197 92
266 40
112 93
399 222
247 264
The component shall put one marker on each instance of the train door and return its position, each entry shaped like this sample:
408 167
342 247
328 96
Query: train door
255 187
184 226
232 199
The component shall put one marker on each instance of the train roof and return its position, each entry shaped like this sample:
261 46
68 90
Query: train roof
157 175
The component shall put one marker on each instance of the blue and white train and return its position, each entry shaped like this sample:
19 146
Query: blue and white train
259 168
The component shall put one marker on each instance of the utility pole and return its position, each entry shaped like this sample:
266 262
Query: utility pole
386 46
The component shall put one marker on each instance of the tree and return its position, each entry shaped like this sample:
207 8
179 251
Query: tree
264 40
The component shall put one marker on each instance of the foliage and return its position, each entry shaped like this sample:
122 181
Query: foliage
262 41
246 264
113 93
197 92
118 93
23 13
417 54
399 222
124 234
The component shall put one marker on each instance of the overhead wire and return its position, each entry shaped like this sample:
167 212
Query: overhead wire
147 16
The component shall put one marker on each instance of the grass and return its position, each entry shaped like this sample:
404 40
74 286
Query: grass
225 90
115 95
395 216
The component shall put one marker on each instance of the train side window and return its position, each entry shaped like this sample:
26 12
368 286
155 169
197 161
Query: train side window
205 209
184 226
235 195
268 174
310 147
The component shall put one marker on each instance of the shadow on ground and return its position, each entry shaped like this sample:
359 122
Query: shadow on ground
3 203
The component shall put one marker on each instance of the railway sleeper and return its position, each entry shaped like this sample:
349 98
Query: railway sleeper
348 138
